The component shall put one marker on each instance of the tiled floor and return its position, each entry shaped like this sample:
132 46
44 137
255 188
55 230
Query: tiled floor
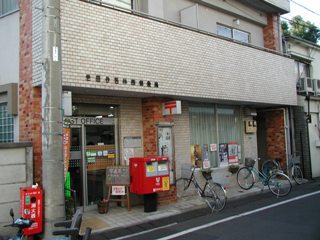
120 216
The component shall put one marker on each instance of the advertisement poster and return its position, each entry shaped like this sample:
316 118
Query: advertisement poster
66 149
223 154
205 156
233 153
196 155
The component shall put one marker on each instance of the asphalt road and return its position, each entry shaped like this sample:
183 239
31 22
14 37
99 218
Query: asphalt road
295 217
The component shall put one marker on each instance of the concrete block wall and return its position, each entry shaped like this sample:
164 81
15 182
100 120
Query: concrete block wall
107 42
16 170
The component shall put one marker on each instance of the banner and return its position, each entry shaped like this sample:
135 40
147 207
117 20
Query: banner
66 149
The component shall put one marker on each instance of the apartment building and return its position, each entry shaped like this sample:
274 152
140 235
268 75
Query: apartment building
195 80
307 61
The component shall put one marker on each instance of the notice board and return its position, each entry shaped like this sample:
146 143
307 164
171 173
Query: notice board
117 175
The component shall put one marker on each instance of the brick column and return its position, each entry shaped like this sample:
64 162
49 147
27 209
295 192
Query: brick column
29 97
151 115
271 33
275 133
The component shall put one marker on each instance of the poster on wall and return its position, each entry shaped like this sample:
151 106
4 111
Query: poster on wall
223 154
233 153
205 156
196 155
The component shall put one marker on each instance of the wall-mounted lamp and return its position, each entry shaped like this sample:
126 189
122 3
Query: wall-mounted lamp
88 77
236 21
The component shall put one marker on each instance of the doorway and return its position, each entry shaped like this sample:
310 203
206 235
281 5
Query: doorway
93 149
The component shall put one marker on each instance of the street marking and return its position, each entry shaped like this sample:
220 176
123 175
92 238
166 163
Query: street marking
236 216
147 231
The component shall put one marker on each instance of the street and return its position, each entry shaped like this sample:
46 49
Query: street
295 217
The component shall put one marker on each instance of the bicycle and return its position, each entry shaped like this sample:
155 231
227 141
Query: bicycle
213 193
293 169
278 183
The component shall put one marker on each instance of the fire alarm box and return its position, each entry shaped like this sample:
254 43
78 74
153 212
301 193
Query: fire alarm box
149 175
31 202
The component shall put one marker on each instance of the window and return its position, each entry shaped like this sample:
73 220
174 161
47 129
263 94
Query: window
8 6
6 124
214 124
302 69
233 33
120 3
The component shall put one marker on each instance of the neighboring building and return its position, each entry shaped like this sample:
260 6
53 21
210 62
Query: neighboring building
9 71
121 63
306 116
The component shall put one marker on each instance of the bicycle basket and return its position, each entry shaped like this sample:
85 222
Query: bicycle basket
249 162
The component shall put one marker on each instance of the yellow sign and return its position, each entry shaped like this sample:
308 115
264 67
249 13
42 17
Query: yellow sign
150 169
165 184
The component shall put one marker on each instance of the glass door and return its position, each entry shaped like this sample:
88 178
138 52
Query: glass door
100 152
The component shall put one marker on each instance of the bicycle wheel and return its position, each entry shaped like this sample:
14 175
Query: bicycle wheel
245 178
297 174
268 167
279 184
182 184
215 196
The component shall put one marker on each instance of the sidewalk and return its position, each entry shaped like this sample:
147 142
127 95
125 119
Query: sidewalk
120 218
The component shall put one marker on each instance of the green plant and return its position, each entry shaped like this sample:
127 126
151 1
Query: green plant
233 168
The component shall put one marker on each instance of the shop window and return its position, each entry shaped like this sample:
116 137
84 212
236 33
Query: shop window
8 6
213 126
6 124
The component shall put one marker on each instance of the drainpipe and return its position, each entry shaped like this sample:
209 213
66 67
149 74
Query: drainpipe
52 154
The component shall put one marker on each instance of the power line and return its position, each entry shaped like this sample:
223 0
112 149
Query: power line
300 5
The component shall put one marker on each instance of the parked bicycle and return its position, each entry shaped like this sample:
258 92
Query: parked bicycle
213 193
294 171
278 183
20 223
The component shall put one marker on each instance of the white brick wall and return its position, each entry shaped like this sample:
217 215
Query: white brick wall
106 42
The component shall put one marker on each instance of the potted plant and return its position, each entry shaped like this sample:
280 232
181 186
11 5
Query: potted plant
103 205
233 168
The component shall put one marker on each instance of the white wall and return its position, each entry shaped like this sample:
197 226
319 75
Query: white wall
9 49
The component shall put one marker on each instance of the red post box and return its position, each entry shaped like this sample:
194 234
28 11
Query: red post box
149 175
31 201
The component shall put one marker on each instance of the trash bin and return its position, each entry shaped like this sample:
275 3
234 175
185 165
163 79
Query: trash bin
150 202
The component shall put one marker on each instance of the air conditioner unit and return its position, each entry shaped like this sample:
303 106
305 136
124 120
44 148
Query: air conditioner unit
316 83
305 85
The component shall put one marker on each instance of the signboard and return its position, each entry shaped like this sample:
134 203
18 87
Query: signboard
117 175
89 121
172 107
66 149
118 190
132 142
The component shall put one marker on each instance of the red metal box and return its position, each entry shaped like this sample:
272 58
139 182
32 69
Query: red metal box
31 207
149 175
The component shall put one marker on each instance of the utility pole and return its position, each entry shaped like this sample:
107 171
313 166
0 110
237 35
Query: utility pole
52 144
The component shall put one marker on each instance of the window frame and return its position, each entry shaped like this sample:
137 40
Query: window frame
3 14
232 30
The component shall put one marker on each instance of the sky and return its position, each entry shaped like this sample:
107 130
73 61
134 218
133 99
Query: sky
313 5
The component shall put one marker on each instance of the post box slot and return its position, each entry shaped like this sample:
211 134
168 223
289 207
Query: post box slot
163 168
151 169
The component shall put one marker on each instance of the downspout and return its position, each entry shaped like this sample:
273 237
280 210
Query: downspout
279 34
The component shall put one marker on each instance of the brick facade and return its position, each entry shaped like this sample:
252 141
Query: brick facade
151 115
275 134
30 98
271 33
